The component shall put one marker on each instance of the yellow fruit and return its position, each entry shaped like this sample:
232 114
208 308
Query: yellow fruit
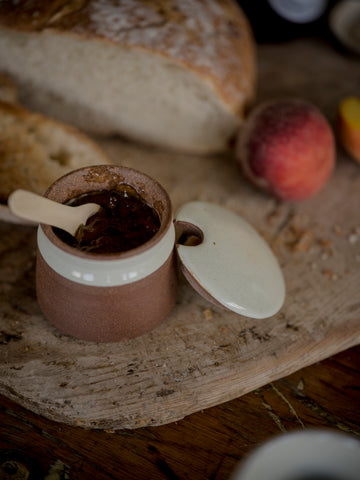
349 125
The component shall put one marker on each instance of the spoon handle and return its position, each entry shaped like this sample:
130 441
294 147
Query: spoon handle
30 206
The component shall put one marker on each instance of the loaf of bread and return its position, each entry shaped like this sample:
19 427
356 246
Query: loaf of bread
177 74
36 150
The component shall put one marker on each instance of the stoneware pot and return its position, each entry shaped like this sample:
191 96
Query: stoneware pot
107 297
113 297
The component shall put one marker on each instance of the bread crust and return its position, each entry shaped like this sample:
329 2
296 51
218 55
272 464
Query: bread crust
36 150
212 38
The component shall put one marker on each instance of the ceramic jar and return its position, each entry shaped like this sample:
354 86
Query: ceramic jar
107 297
113 297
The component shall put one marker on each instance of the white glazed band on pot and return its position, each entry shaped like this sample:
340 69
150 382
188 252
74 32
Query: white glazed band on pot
105 273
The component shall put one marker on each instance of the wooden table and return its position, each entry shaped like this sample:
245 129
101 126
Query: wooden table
291 387
205 445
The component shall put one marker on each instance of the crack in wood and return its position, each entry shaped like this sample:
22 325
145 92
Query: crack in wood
291 408
276 419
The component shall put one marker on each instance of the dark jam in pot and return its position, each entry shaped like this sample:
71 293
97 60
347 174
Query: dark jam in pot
125 221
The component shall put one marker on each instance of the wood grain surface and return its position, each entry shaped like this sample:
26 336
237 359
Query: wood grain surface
202 356
208 445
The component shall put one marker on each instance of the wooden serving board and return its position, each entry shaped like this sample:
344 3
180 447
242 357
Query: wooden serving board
201 355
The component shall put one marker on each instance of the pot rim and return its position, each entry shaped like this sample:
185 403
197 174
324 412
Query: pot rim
166 216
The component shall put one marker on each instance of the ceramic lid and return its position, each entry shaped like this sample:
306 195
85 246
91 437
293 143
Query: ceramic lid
233 266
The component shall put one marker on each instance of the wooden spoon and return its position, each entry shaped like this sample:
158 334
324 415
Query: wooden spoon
30 206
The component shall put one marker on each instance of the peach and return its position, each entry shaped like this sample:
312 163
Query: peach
348 126
287 148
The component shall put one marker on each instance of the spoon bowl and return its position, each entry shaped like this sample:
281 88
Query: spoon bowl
31 206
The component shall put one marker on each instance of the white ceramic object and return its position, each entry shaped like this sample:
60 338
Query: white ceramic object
344 22
233 266
304 455
299 11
